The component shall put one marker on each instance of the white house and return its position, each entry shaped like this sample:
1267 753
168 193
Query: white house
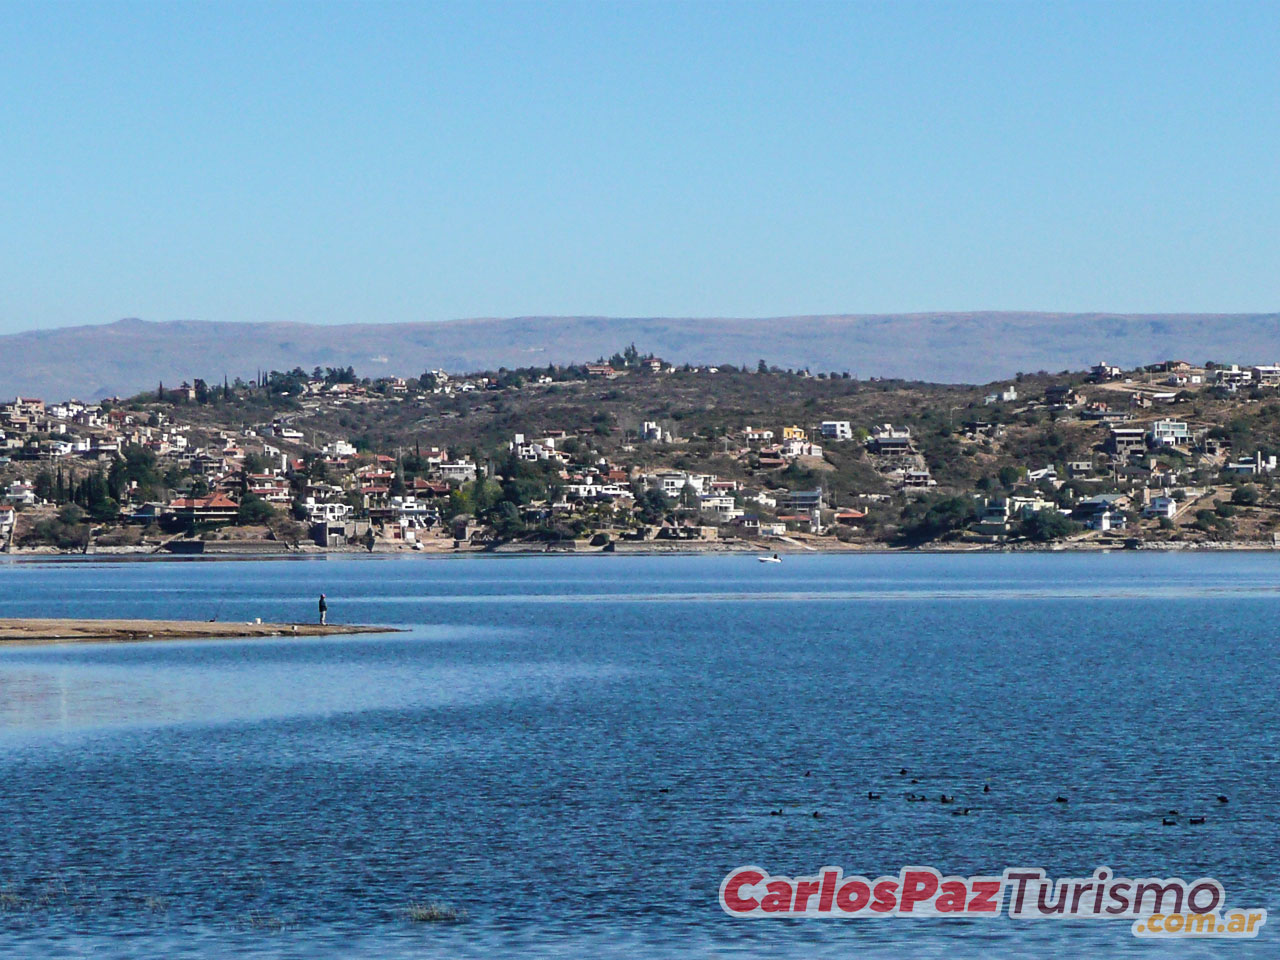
800 448
1167 433
836 429
21 492
673 482
533 450
461 470
317 512
339 448
652 432
416 512
1160 507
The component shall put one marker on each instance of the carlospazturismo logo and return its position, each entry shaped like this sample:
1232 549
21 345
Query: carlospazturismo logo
1155 907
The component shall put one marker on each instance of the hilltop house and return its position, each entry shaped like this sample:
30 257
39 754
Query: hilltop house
888 440
1062 398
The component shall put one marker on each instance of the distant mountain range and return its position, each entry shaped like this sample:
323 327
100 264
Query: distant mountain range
134 355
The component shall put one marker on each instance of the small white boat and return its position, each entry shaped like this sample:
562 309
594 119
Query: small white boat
774 559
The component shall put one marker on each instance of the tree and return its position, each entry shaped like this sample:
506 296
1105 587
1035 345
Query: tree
1245 496
66 531
93 494
254 510
1009 475
256 463
761 366
1045 525
506 520
931 519
44 486
137 472
652 505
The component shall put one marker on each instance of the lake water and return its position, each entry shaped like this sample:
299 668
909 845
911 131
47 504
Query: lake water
574 751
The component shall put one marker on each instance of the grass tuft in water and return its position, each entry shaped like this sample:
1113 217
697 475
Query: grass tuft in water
434 913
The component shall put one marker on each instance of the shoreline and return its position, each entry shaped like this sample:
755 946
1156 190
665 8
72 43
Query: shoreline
27 631
652 549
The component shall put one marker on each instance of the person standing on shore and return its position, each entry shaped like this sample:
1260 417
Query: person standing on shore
324 610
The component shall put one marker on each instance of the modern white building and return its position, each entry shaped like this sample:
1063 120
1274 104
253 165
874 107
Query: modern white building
836 429
1167 433
318 511
339 448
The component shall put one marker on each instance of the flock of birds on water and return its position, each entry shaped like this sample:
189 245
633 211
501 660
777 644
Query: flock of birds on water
1169 819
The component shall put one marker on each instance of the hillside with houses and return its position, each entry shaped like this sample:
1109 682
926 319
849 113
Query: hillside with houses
633 453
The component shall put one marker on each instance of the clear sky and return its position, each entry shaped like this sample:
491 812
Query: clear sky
369 162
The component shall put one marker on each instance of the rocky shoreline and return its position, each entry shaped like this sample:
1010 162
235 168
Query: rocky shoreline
239 550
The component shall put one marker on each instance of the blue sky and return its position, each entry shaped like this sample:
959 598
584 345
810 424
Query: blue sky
364 162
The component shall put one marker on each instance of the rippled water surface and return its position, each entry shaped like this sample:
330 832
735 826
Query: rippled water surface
574 751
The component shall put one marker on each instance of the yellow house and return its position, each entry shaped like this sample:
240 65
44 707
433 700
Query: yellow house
793 433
